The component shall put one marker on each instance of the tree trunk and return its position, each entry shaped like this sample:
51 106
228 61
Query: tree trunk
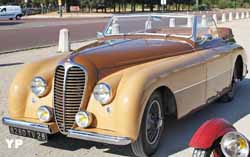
151 6
105 8
142 7
126 6
131 7
119 9
134 7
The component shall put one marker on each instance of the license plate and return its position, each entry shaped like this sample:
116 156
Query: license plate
28 133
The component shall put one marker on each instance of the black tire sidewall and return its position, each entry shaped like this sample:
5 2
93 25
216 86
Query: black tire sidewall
18 17
229 96
149 149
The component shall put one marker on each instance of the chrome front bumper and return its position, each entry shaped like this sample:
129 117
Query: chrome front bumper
89 136
26 125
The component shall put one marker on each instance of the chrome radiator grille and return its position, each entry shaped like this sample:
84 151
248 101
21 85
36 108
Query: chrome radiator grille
69 87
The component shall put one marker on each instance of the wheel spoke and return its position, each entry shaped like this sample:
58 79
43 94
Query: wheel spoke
154 122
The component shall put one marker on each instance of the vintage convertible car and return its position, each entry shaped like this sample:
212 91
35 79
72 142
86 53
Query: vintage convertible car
121 88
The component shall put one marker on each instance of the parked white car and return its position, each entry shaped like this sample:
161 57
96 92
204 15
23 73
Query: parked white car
10 12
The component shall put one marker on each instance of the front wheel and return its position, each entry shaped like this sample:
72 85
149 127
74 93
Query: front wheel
151 128
18 17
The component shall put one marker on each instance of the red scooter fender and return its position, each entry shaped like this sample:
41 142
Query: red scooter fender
209 132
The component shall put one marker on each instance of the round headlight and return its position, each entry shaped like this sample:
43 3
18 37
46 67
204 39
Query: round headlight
102 93
44 114
234 144
38 86
83 119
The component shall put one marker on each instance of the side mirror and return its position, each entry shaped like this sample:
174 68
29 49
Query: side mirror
99 34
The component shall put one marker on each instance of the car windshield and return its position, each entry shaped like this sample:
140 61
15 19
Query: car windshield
162 24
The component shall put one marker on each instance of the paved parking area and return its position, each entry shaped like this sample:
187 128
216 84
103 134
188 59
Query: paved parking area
177 133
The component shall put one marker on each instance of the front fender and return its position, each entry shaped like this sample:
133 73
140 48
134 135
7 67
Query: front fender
209 132
19 91
133 92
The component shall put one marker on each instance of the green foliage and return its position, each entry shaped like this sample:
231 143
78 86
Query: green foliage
147 3
2 2
222 4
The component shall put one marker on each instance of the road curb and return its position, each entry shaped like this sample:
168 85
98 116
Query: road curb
40 47
66 16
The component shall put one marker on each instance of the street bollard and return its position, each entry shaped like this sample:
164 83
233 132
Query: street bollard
64 44
242 15
215 18
223 19
172 22
190 21
148 25
237 16
230 18
204 21
115 27
247 15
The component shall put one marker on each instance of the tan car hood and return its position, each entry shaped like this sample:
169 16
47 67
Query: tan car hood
113 54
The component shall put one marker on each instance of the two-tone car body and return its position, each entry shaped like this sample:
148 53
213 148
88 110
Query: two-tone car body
121 88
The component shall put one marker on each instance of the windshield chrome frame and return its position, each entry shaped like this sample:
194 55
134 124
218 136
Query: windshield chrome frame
193 36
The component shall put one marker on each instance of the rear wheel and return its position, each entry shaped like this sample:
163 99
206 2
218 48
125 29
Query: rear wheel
18 17
229 96
151 128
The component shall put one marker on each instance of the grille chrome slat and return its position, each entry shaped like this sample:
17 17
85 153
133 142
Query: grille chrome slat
69 86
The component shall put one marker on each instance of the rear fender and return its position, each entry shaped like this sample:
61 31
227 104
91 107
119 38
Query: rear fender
209 132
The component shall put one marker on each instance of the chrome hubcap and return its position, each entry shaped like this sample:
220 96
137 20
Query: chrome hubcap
154 122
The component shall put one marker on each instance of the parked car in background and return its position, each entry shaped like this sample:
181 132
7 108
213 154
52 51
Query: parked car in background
11 12
121 88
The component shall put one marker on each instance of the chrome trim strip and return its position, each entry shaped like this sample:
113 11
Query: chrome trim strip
26 125
203 81
89 136
193 85
146 15
213 77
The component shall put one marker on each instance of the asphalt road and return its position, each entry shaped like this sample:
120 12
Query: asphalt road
176 135
29 33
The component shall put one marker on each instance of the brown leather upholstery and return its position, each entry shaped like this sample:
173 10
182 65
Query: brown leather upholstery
225 33
175 30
